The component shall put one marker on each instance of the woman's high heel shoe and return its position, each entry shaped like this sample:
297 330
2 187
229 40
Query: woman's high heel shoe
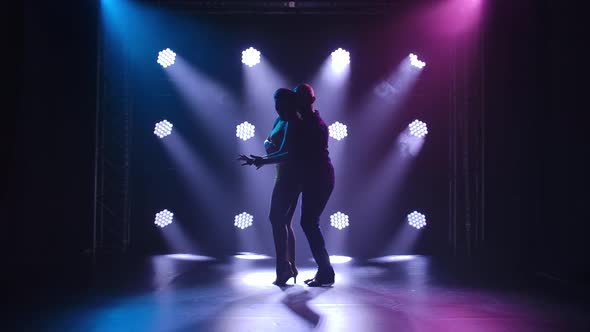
283 277
295 273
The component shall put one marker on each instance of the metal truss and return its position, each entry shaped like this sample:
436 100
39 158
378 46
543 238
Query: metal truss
112 141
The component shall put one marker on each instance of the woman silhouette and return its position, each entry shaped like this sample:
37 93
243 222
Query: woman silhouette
298 143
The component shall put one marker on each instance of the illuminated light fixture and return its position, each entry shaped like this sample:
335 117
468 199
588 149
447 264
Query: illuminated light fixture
243 220
415 62
340 59
418 128
163 128
338 130
339 220
164 218
417 219
251 57
245 131
166 57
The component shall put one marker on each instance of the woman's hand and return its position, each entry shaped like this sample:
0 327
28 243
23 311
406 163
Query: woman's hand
257 161
246 160
252 160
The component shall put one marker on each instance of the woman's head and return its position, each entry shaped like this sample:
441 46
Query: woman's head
285 103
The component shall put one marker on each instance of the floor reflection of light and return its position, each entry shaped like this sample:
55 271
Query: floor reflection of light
258 278
393 258
249 255
340 259
334 259
189 257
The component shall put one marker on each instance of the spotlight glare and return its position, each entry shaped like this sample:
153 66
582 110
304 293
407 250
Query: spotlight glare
340 59
243 220
251 57
338 130
245 130
166 57
250 256
417 219
163 128
339 220
415 62
393 258
189 257
418 128
164 218
335 259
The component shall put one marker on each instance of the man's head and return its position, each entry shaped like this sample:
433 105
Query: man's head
285 103
305 95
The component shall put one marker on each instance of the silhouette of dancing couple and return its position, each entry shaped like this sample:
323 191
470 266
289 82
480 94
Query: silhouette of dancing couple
298 145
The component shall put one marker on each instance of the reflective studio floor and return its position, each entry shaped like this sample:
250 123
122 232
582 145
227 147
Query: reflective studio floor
197 293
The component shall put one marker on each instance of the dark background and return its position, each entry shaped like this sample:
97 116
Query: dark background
535 149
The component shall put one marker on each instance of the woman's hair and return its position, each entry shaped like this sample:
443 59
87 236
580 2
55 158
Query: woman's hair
286 95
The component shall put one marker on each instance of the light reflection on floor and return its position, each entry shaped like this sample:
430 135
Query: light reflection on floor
399 295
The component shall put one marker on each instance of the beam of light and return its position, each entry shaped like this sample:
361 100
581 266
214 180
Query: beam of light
177 240
381 107
404 240
390 173
166 268
340 59
395 88
330 84
211 104
415 62
448 20
245 131
251 57
260 83
203 185
163 128
164 218
416 219
166 58
339 220
132 27
243 220
338 130
386 185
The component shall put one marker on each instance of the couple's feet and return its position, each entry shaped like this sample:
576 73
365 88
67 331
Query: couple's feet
321 279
